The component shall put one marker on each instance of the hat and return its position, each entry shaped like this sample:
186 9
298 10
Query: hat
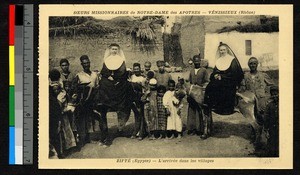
114 45
160 63
114 62
153 81
253 59
196 58
147 64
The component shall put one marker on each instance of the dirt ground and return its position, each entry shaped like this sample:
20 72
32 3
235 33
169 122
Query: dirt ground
231 138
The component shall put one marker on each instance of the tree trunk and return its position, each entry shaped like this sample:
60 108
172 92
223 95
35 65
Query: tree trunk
176 51
167 47
171 46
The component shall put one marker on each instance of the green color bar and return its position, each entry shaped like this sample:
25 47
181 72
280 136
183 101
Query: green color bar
11 105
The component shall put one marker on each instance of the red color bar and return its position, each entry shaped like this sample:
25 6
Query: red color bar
11 26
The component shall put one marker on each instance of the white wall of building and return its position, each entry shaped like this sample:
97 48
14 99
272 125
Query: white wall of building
264 47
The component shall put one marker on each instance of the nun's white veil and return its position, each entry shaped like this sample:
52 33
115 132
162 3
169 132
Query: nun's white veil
229 50
113 62
223 63
120 53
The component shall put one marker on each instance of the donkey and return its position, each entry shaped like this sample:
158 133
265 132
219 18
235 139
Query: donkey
246 103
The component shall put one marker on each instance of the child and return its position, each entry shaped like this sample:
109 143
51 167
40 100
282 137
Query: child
271 123
155 112
149 76
180 84
162 76
168 95
173 103
147 67
161 111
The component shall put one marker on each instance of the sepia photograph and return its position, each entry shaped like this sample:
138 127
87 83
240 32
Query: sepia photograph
182 86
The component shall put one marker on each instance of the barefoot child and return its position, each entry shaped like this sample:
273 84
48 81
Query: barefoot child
168 95
154 110
173 103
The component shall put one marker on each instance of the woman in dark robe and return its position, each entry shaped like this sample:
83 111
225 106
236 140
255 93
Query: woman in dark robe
224 81
115 91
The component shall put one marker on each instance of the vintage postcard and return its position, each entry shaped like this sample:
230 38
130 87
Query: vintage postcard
165 86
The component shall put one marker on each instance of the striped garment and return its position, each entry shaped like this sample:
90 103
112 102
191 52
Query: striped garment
155 113
161 112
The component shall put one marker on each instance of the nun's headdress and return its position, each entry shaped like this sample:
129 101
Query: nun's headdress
223 63
114 62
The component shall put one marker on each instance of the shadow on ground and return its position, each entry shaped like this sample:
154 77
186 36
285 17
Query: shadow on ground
231 138
225 130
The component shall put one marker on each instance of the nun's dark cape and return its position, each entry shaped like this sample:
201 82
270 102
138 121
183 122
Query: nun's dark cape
220 94
115 94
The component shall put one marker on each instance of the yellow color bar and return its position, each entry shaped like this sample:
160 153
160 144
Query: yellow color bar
11 65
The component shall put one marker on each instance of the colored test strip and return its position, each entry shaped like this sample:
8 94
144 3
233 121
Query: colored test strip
15 84
11 84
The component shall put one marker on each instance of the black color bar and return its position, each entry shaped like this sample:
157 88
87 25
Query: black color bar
19 15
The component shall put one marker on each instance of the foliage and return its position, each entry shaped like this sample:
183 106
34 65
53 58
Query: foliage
141 29
143 33
72 26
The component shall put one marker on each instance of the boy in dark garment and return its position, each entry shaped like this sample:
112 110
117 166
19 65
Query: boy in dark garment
271 123
198 76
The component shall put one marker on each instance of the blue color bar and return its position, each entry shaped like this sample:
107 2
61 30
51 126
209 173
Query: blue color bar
12 157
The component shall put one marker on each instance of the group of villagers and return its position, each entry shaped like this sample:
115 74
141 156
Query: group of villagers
78 103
